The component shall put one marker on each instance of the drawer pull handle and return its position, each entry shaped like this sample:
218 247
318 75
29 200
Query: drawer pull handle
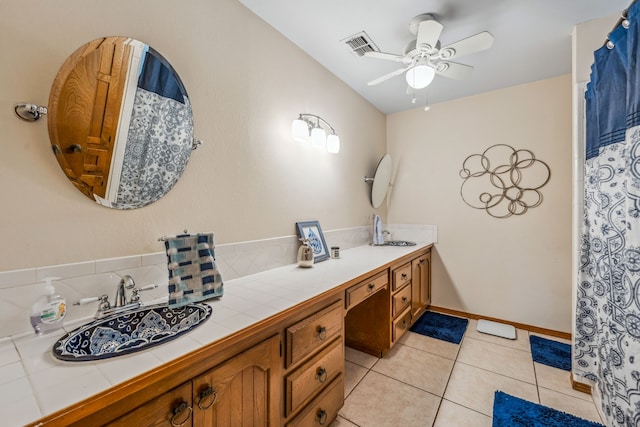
207 398
404 299
404 324
371 287
322 332
404 276
321 416
321 375
180 410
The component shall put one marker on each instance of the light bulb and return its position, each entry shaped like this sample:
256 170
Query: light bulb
420 76
300 130
318 137
333 143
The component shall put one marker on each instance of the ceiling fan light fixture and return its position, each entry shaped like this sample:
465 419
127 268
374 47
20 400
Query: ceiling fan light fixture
420 76
447 53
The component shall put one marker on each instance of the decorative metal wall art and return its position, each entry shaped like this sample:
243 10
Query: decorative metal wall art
503 181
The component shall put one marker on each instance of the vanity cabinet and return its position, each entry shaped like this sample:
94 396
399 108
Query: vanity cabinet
174 406
238 392
381 308
363 290
401 300
421 284
314 389
368 315
286 370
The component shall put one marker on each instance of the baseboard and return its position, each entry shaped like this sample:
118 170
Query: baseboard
585 388
530 328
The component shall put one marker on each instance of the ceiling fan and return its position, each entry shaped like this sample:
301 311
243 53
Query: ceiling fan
423 57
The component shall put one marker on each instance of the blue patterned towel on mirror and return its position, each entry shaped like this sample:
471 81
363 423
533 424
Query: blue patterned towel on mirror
193 275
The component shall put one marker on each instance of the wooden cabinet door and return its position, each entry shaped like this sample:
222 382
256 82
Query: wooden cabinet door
421 284
244 391
173 408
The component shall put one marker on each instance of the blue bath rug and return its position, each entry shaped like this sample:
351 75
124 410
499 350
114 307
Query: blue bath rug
551 353
510 411
441 326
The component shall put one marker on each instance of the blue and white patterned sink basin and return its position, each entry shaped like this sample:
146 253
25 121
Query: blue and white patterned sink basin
129 332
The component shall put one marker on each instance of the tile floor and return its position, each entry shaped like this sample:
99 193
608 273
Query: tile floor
428 382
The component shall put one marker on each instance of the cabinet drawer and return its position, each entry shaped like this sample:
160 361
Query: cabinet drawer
358 293
309 378
401 300
324 409
174 407
401 276
401 324
313 332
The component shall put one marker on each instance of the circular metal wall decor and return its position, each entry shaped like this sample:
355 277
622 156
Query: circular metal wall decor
503 181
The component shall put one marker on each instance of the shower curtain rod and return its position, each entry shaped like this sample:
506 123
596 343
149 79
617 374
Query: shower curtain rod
623 18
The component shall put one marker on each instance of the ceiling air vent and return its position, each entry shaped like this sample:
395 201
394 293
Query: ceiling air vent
360 43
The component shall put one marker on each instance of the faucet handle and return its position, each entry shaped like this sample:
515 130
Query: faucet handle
135 292
104 299
102 307
84 301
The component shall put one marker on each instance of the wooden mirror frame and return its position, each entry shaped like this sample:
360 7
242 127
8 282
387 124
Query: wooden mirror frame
120 122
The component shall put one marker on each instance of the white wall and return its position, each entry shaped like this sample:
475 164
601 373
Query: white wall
519 268
246 82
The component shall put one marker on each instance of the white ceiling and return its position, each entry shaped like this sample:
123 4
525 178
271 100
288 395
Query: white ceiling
532 40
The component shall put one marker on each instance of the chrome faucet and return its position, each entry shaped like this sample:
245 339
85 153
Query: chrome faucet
121 303
378 237
121 293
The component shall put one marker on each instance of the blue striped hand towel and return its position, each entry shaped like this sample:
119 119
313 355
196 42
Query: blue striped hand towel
193 275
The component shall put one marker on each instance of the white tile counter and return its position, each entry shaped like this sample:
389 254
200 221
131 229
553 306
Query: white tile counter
34 384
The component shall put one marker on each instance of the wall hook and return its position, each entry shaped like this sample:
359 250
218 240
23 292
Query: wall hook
29 112
195 143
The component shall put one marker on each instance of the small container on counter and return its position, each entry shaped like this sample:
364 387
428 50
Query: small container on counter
335 252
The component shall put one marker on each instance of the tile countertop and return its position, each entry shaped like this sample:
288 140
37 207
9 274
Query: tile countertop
34 384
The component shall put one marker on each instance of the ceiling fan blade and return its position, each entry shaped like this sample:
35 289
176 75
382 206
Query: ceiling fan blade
387 76
382 55
453 70
472 44
428 34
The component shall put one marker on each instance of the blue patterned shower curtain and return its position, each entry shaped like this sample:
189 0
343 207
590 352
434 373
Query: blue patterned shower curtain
607 333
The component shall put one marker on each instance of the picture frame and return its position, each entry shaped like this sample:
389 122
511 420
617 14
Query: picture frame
311 230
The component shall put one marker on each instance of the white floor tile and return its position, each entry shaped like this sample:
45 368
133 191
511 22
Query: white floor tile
475 388
482 364
451 414
420 369
507 361
571 405
382 401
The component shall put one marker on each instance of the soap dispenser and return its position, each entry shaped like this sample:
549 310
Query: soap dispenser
305 254
48 311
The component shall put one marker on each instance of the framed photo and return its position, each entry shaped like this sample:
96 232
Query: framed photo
311 230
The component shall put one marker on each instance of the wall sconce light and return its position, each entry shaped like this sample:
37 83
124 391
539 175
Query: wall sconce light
306 128
29 112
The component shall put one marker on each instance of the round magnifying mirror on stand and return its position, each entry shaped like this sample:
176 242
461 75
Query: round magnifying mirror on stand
120 122
381 181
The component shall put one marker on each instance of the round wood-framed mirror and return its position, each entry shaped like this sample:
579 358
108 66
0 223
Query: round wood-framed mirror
120 122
